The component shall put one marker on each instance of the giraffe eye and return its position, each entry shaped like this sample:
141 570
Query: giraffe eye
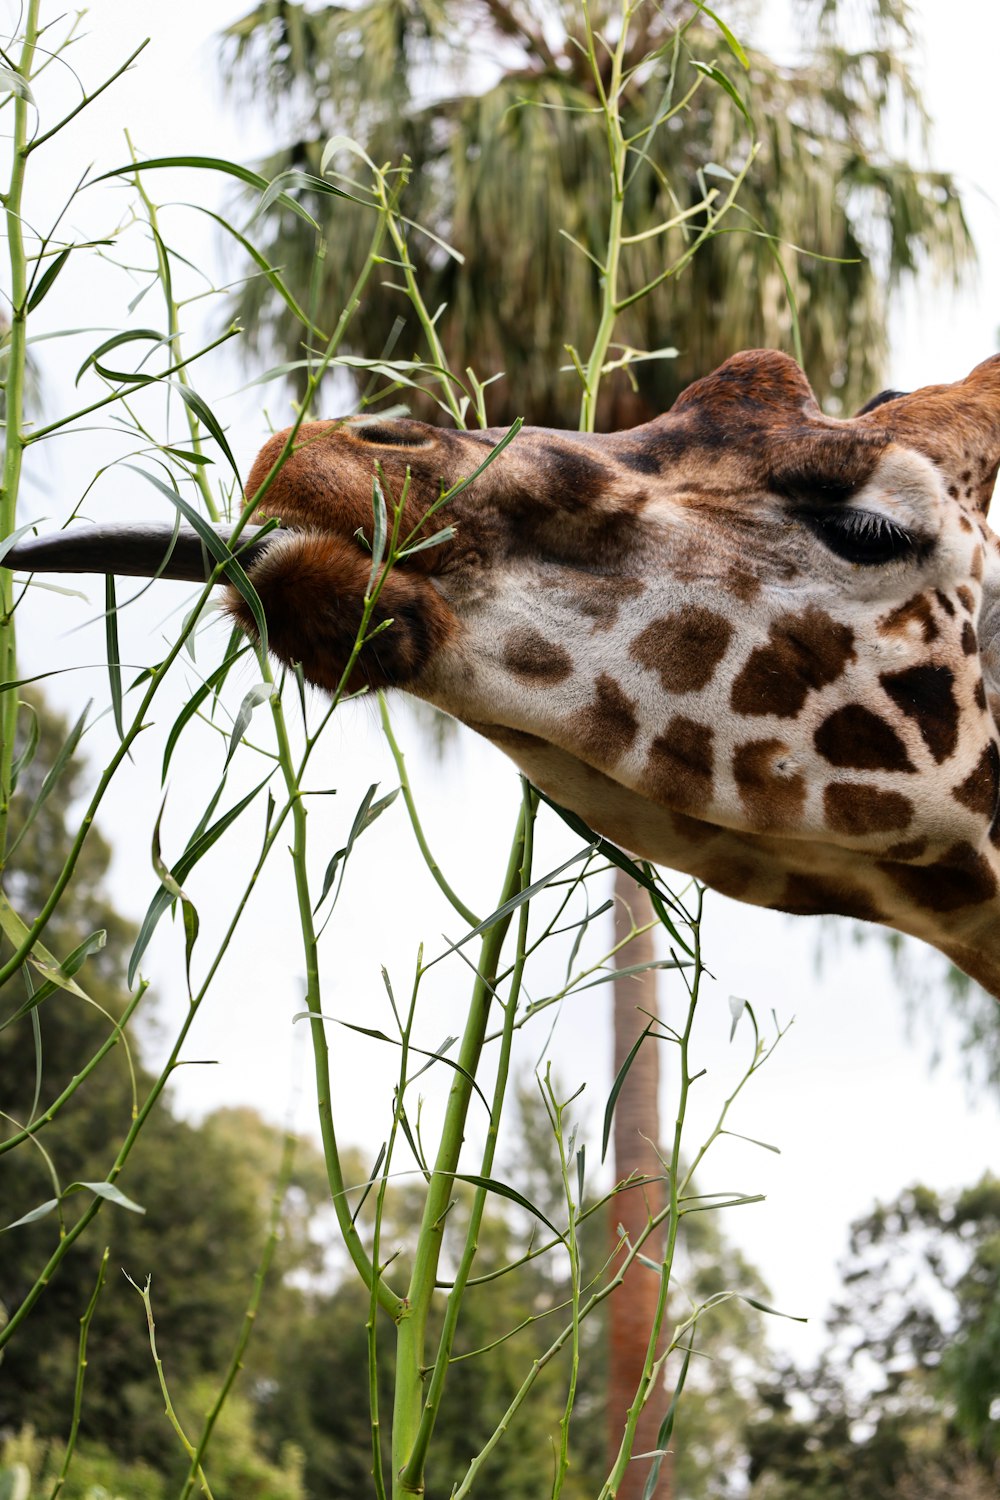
862 536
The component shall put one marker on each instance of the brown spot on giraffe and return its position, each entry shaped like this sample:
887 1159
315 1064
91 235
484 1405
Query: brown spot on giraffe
981 788
679 768
914 613
963 521
926 695
607 727
600 599
969 643
856 739
684 649
961 877
693 830
529 655
812 895
741 582
773 794
966 598
979 694
908 850
976 566
856 808
945 603
804 651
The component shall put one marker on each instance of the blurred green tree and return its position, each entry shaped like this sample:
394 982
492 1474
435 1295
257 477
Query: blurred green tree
906 1402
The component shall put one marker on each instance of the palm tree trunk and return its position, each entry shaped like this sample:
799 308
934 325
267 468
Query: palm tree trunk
637 1131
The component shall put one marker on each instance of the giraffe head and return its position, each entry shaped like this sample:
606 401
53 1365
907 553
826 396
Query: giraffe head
746 640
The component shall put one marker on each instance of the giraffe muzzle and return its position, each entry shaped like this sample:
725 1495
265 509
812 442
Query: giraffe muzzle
134 549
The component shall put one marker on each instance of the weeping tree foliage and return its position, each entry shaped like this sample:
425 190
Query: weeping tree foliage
493 101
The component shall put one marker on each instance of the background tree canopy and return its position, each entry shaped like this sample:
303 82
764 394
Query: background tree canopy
492 102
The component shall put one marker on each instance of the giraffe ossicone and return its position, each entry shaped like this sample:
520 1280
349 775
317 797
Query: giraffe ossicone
746 640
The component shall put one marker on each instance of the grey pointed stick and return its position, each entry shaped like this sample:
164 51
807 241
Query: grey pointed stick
137 549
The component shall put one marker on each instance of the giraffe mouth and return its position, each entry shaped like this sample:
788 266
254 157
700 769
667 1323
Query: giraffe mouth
137 550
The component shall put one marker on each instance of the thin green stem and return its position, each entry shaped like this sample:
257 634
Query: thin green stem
556 1111
168 1404
617 153
81 1375
314 1004
407 1458
435 1387
372 1324
13 413
404 783
174 332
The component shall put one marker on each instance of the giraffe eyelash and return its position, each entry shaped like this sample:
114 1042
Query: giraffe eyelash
862 536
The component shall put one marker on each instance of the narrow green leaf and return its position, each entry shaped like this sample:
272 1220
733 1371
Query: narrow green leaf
192 925
581 1157
444 535
15 536
114 652
718 77
134 335
208 164
109 1192
618 1085
199 845
278 191
772 1312
666 1430
345 143
731 41
630 970
380 521
11 82
189 456
438 1055
366 814
45 281
269 272
27 755
233 569
53 775
503 1191
372 1178
210 685
36 1213
619 858
206 416
261 692
69 966
513 904
752 1141
508 437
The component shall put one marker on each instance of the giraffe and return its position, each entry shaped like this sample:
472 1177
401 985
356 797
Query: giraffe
746 640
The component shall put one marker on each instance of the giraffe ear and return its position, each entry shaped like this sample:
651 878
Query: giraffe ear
956 426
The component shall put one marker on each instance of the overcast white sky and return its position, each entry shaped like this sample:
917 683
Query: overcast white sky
848 1098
